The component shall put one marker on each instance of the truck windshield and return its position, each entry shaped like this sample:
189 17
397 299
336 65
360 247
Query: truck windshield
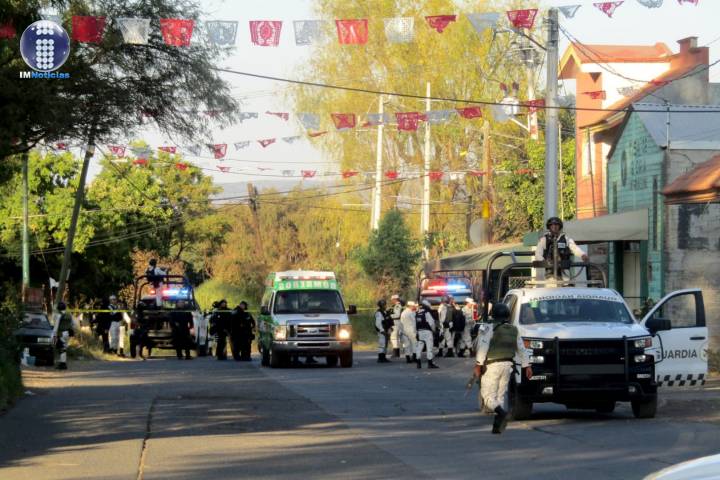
308 301
573 310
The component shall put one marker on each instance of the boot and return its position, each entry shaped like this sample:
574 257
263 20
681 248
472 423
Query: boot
414 357
431 364
382 358
121 353
500 421
449 353
396 353
461 353
440 352
419 363
61 366
408 359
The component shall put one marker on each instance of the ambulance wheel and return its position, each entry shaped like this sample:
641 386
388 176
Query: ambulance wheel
265 359
331 360
644 408
346 359
520 408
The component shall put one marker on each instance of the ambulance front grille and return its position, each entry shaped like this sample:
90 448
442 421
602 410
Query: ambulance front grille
313 330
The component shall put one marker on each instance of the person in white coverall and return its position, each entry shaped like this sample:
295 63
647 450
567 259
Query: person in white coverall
407 333
466 339
444 325
383 326
425 326
396 309
117 328
498 346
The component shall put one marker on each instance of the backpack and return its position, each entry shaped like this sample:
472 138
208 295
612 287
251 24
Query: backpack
458 319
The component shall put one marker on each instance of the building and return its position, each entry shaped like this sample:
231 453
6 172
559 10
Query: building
610 78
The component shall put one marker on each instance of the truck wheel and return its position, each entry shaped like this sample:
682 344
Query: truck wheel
265 359
520 408
346 359
276 359
605 407
644 408
331 360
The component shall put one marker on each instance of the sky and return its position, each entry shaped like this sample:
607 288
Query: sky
632 23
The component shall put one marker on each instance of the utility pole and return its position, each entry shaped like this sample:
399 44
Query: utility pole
252 201
561 173
530 69
425 218
487 168
79 197
377 193
25 231
551 117
468 217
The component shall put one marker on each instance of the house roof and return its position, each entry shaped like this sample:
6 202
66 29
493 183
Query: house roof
617 53
652 86
699 185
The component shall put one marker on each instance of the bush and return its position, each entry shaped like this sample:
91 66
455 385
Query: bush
363 325
10 377
213 290
714 361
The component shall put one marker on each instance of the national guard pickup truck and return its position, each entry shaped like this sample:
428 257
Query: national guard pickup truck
588 351
303 315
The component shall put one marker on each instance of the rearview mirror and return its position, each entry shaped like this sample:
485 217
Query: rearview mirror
352 310
655 325
264 310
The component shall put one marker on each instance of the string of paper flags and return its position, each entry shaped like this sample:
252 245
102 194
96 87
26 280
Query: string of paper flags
178 32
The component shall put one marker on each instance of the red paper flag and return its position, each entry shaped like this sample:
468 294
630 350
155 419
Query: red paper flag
177 32
168 149
223 168
470 112
352 32
608 8
317 134
117 150
534 105
87 29
523 171
282 115
476 173
181 166
212 113
308 173
219 150
408 121
61 146
343 121
7 30
349 173
265 33
391 174
440 22
693 2
522 18
140 162
435 176
503 87
596 95
516 86
266 142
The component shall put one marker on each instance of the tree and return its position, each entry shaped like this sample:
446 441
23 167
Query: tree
392 254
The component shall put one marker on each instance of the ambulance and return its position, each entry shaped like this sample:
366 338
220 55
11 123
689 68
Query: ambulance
302 314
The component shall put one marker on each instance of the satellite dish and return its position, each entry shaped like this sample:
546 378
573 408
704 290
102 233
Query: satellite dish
478 232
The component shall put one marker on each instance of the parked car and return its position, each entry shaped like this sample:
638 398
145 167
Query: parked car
35 333
704 467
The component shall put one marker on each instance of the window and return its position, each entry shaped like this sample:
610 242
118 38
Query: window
586 155
614 198
510 301
308 301
681 310
568 310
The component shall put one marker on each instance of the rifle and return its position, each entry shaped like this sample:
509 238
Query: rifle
469 385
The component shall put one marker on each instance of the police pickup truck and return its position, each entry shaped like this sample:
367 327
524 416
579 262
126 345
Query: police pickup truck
587 351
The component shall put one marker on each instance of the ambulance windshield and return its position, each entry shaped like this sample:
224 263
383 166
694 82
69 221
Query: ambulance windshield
308 301
565 310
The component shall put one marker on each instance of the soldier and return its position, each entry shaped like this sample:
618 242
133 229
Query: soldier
497 348
566 248
407 333
116 330
396 310
220 327
468 312
242 332
62 332
383 326
424 326
181 322
445 312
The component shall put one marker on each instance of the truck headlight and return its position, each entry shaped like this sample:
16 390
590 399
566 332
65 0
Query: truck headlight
537 359
344 333
645 342
44 340
280 332
532 343
640 358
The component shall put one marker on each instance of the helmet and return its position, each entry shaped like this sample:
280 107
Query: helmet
554 220
381 303
153 262
446 298
426 303
500 312
61 306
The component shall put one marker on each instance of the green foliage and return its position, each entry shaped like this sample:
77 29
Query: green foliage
213 290
392 254
363 325
10 378
714 361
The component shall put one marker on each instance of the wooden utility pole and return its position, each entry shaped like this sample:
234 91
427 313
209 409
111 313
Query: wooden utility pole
25 230
486 179
253 202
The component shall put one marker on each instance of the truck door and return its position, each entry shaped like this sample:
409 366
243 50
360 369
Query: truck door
683 347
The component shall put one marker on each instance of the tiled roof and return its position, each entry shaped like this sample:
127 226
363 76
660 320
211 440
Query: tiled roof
621 53
699 185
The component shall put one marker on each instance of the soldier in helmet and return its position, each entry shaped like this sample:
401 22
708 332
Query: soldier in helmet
62 331
566 246
383 325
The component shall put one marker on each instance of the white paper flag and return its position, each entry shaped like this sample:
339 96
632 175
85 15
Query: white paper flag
307 32
483 21
135 30
569 11
651 3
242 116
241 145
291 139
310 121
400 29
222 32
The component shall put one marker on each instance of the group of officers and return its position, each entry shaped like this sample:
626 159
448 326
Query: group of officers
418 327
237 325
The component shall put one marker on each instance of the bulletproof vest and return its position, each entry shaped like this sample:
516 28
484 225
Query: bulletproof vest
562 247
65 322
421 322
387 322
503 343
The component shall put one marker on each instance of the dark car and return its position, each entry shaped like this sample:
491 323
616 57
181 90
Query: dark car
35 333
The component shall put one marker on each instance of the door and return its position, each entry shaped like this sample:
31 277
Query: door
684 346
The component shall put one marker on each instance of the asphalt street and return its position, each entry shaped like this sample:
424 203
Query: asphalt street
171 419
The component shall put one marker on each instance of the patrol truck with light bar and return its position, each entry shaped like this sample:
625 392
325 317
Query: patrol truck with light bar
302 314
587 350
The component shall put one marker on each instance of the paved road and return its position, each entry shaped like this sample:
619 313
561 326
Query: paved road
170 419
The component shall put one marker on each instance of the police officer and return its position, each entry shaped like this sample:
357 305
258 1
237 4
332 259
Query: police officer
242 332
407 332
220 327
396 310
181 321
497 348
383 327
62 332
445 312
566 247
424 326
